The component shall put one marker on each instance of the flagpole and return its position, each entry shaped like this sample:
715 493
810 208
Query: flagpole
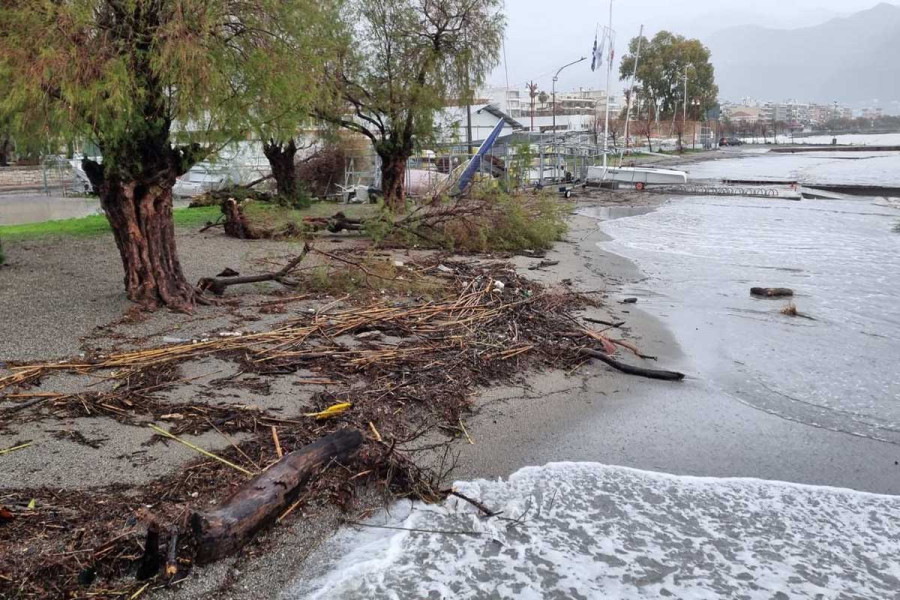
637 59
608 73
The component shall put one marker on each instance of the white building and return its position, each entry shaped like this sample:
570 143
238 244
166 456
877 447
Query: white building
451 124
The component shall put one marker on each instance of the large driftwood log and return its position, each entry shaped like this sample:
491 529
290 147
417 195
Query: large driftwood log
771 292
258 503
632 370
218 285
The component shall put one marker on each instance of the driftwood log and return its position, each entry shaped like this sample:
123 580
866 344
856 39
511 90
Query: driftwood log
334 224
771 292
259 502
218 285
632 370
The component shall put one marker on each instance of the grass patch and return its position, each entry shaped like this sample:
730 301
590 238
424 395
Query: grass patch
98 225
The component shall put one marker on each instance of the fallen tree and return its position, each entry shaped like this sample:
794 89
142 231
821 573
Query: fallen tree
262 499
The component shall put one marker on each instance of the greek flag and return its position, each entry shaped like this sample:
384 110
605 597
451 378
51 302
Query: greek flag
597 53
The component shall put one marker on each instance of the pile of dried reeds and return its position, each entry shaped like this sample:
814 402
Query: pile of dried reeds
490 325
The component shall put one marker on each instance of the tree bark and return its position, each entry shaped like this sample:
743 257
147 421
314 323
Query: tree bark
5 147
281 158
140 213
393 181
259 502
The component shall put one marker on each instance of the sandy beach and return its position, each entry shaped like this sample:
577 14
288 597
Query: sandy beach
601 416
591 413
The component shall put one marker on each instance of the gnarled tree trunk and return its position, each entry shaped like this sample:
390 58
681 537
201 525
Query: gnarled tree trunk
140 214
281 158
393 181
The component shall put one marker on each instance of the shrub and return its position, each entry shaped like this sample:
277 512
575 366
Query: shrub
492 221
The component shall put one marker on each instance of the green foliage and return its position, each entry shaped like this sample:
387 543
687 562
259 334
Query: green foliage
130 75
494 221
661 71
407 59
521 164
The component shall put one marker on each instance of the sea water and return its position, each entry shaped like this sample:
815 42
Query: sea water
584 530
839 368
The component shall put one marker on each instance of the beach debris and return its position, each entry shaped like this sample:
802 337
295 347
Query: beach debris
465 432
15 448
543 265
444 269
228 272
195 448
172 554
277 441
370 335
172 340
630 301
480 506
771 292
498 286
219 285
461 339
632 370
5 515
261 500
790 310
332 411
611 324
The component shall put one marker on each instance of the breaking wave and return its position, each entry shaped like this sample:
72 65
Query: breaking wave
583 530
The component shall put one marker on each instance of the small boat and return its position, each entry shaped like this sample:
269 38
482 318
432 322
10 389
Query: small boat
638 176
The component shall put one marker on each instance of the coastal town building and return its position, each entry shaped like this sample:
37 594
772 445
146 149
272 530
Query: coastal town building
582 104
792 113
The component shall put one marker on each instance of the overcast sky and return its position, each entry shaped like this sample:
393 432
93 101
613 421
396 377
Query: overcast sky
543 35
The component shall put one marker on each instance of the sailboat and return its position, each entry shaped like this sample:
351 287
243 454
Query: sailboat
639 177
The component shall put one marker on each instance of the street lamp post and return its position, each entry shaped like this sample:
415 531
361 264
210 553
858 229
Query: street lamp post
555 79
695 103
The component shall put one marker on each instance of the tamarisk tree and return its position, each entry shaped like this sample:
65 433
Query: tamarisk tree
158 85
403 61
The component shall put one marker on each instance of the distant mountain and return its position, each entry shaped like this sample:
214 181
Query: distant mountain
850 59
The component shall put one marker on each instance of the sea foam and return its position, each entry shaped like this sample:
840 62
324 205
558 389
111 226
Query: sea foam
584 530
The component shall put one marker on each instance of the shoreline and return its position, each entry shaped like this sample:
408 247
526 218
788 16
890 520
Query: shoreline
683 429
596 415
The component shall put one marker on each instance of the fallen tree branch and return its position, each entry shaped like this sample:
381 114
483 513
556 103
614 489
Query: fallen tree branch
259 502
218 285
487 512
632 370
614 325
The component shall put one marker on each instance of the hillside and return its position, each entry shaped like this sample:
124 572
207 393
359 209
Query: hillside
847 59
